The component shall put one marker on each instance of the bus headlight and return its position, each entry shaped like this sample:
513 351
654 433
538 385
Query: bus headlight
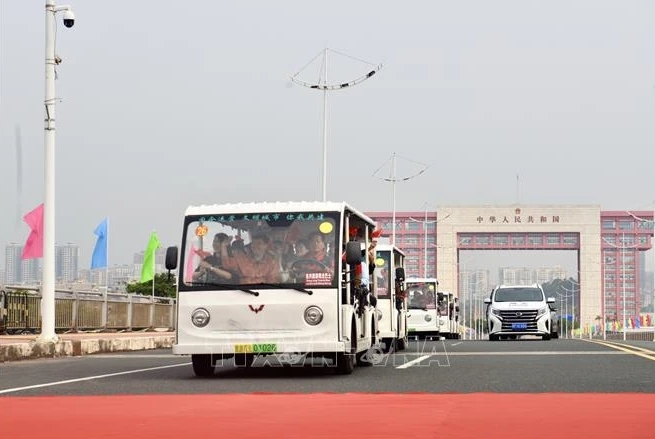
200 317
428 317
313 315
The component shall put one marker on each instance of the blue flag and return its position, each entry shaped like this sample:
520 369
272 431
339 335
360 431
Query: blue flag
99 258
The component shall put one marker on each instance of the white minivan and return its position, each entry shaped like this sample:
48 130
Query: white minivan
514 310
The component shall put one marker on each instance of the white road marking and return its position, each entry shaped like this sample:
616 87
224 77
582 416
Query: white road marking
95 377
472 354
414 361
455 344
104 356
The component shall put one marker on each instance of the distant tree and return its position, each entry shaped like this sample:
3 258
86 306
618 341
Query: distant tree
164 287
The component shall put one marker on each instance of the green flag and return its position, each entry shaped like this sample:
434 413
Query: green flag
148 268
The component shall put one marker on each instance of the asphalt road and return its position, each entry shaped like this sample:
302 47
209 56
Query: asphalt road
451 366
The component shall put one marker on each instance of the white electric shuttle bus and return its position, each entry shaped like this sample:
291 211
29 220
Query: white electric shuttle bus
258 279
447 310
392 303
422 319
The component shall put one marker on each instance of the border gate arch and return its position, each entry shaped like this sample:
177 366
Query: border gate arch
545 227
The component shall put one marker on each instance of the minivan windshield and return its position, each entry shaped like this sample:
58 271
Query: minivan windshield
519 294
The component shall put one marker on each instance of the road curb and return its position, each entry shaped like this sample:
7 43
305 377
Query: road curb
67 348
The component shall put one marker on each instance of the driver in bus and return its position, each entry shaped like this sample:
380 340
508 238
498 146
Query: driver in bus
317 250
257 266
210 269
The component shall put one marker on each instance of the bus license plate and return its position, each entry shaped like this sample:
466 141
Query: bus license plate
519 326
257 348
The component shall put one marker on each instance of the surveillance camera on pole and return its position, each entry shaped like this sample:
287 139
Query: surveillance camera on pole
69 18
51 60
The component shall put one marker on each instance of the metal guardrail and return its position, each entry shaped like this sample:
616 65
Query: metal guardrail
20 311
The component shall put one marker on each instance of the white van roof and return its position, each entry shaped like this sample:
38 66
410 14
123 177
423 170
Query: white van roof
275 206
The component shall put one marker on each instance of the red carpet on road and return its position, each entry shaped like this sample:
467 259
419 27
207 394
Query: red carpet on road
331 415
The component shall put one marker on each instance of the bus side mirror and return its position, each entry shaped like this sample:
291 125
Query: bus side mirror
171 258
400 274
353 253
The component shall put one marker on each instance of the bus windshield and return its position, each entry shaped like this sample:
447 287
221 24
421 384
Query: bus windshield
422 295
383 274
262 250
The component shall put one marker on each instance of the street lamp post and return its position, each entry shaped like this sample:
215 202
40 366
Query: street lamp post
325 87
572 291
623 247
51 60
652 223
425 236
393 179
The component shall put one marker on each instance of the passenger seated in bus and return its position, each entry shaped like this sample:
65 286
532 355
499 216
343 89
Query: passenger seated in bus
301 248
260 266
210 269
441 306
317 250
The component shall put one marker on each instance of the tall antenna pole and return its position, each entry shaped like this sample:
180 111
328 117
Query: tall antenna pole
323 85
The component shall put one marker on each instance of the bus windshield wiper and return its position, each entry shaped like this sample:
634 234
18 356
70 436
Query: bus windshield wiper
224 287
288 286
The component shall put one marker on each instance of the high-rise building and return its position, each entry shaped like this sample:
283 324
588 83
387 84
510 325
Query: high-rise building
13 263
66 262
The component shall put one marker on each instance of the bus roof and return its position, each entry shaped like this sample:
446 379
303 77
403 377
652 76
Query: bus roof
388 247
421 279
277 206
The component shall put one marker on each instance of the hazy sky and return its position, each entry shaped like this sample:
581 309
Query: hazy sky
165 104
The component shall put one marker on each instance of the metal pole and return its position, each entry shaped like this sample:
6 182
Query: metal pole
325 128
393 190
471 324
566 311
48 280
425 242
623 279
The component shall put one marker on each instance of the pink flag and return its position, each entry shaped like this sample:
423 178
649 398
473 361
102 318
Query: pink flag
188 276
191 259
34 245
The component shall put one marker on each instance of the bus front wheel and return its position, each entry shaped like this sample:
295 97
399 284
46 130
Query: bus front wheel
202 365
346 360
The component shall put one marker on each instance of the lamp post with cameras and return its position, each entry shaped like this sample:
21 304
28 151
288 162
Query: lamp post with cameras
323 85
425 223
51 60
393 180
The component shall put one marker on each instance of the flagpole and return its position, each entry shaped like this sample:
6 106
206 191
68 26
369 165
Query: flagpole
107 261
154 265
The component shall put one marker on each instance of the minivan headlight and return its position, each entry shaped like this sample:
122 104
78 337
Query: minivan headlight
542 311
496 312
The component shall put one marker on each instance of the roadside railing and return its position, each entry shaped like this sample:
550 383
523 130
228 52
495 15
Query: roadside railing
20 311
